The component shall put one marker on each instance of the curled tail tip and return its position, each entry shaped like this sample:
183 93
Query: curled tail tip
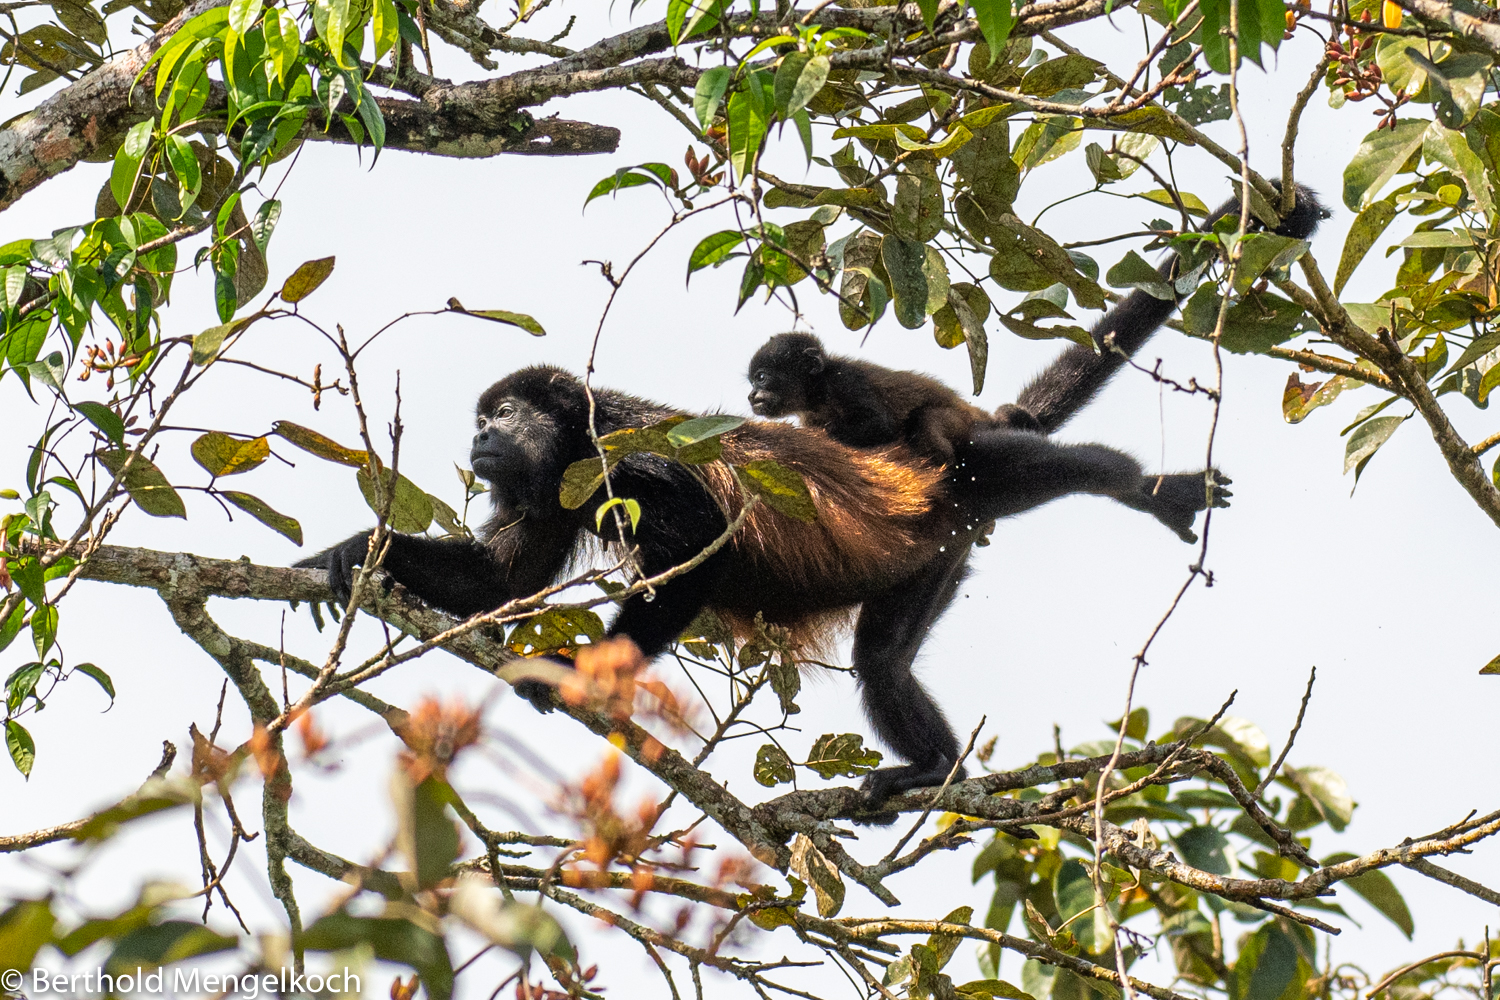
1305 216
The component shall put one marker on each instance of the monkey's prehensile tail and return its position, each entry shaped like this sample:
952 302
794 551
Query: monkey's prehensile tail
1077 375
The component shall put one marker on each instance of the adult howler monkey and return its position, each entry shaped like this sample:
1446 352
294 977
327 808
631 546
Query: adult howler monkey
891 539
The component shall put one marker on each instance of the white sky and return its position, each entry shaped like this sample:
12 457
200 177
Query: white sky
1389 593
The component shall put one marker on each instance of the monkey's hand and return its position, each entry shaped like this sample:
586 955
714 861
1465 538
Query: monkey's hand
340 561
1175 500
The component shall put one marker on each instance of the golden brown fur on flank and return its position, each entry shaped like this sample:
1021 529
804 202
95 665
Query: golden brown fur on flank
878 511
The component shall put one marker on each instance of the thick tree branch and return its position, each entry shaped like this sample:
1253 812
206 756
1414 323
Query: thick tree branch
185 581
84 120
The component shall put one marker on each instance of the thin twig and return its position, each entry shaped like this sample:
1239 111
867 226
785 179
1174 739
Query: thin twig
1265 782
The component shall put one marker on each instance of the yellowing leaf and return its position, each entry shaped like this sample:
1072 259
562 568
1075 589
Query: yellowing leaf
306 279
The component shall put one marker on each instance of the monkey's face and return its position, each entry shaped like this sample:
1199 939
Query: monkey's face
514 448
776 393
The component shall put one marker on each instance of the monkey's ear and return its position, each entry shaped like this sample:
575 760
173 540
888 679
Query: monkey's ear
816 360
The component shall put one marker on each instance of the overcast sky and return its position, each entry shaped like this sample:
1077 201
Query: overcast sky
1390 592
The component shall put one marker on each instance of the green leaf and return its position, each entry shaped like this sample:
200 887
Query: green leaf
1299 399
1380 157
386 27
625 177
918 214
44 629
1363 233
425 833
1205 848
24 928
1325 787
1439 238
518 927
929 9
102 417
145 483
11 627
1067 73
701 428
944 945
1256 323
1267 965
1134 272
846 755
410 513
369 113
155 945
713 250
306 279
709 92
961 321
1366 440
905 261
100 677
632 510
316 444
748 120
521 320
222 455
555 629
185 166
22 750
779 487
22 683
154 796
283 42
582 478
772 766
992 989
996 19
1191 202
1262 252
128 162
264 223
206 345
798 80
262 512
1380 892
393 940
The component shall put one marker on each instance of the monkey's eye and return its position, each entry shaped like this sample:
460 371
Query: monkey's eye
505 412
760 377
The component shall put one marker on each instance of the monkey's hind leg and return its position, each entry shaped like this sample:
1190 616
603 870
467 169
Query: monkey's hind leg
889 633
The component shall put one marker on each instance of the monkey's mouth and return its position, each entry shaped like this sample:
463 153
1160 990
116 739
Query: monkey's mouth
761 406
490 468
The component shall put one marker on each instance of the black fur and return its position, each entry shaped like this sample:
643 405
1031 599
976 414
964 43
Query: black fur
1080 372
861 404
534 423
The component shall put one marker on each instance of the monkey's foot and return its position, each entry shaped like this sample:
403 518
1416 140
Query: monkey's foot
1176 499
1018 418
539 693
887 781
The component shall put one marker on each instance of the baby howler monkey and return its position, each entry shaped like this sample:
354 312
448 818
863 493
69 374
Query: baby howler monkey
862 404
